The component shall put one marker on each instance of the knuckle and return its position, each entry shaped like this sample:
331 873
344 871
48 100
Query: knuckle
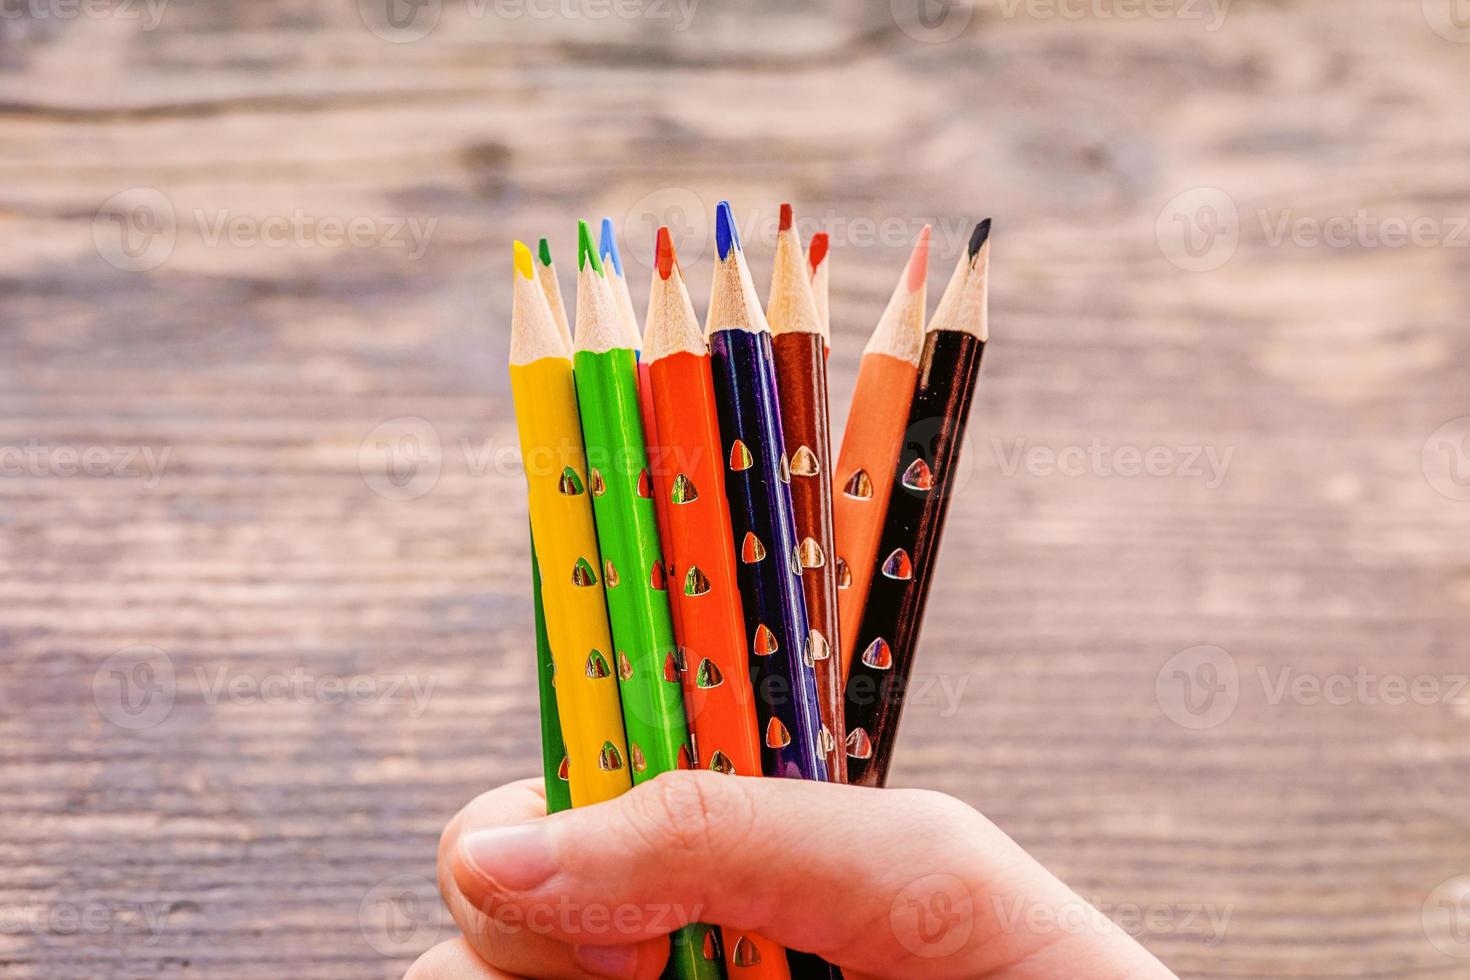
691 811
946 811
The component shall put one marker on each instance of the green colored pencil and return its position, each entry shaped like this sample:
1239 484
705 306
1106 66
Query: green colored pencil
553 749
646 661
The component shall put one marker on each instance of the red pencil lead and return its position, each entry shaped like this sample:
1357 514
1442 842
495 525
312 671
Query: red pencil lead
816 252
664 253
919 261
785 217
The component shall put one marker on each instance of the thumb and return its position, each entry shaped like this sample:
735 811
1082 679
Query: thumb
882 882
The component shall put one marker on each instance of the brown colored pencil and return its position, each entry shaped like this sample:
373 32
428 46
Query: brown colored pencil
800 345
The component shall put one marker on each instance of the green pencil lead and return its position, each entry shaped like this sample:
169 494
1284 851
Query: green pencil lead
586 250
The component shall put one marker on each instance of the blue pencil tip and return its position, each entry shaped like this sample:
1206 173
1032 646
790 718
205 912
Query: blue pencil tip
610 246
726 234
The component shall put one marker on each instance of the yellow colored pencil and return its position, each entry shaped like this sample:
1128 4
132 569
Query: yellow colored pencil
566 544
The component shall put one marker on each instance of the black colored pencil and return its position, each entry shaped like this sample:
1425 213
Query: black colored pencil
924 482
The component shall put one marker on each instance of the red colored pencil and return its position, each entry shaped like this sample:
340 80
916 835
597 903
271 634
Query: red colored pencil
819 273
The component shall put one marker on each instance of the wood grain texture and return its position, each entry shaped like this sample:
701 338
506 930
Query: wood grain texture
270 837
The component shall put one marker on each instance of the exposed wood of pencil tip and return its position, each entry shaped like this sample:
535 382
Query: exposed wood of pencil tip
791 307
612 265
546 272
672 326
900 330
534 333
964 307
733 303
600 326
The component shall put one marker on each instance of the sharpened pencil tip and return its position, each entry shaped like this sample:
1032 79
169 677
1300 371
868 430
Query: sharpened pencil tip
585 252
816 252
785 216
978 237
919 260
664 252
726 235
609 249
545 249
523 260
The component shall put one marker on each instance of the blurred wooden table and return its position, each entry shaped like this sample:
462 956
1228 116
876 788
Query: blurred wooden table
319 589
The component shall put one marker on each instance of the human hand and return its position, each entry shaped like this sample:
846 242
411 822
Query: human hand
883 883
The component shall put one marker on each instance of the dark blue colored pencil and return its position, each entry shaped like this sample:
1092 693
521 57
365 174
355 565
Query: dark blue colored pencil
757 482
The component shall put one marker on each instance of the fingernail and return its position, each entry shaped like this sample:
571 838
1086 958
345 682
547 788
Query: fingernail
515 858
608 961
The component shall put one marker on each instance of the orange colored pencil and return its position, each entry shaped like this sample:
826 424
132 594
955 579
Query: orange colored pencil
871 443
700 547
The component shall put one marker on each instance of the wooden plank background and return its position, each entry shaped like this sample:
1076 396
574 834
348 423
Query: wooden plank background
204 804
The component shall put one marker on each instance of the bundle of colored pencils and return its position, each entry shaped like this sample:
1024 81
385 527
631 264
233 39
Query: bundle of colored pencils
710 590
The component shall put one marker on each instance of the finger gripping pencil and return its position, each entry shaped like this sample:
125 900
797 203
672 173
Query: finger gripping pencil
909 544
756 482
